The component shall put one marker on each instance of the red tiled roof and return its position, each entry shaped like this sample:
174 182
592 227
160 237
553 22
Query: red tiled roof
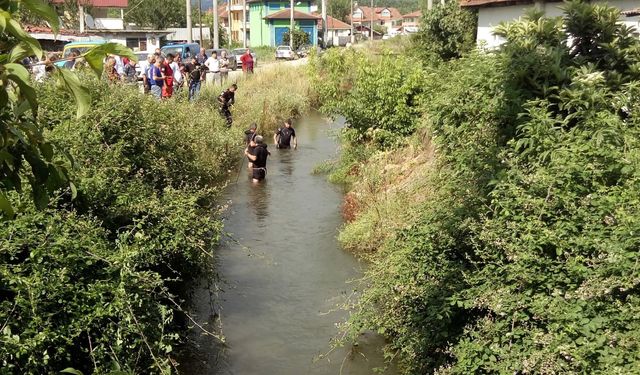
416 14
47 30
367 12
99 3
334 24
285 14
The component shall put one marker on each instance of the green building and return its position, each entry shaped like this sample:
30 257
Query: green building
270 20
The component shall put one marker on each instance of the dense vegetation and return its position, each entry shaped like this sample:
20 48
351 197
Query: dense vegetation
496 196
108 209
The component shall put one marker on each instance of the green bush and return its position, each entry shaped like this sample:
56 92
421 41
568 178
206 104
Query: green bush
523 256
91 282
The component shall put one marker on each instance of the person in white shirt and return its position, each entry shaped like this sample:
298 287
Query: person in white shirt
177 75
145 65
119 65
213 65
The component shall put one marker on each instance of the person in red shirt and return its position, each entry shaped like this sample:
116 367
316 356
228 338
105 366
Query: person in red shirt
167 88
247 62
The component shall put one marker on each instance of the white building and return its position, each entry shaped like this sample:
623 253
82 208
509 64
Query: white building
492 12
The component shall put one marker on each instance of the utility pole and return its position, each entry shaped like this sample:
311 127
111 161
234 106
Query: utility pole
216 28
229 22
291 28
81 16
200 22
429 4
244 23
189 27
353 37
373 13
324 24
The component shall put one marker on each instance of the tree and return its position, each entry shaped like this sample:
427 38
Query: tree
447 32
339 9
157 14
25 154
300 38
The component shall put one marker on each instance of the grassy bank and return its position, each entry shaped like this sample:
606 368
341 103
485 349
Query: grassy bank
493 195
95 282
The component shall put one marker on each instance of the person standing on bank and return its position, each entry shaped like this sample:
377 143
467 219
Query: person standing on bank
226 100
285 136
258 158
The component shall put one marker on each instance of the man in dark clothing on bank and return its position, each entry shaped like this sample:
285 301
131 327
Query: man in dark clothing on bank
258 158
194 77
285 136
226 100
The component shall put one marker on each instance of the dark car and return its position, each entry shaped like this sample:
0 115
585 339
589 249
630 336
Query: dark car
233 62
240 51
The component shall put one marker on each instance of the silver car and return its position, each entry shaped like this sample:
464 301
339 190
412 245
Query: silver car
285 52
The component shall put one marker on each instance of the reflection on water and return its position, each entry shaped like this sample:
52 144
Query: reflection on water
284 273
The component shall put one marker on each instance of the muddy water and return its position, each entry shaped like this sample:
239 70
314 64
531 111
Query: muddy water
283 273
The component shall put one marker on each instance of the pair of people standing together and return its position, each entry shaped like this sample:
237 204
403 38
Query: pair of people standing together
218 69
257 153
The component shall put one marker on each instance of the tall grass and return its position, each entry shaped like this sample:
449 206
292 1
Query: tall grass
266 97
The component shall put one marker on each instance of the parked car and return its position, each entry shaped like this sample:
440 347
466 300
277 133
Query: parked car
185 50
142 56
285 52
240 51
233 62
79 48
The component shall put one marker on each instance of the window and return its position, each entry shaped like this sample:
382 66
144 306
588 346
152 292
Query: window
134 43
274 6
386 13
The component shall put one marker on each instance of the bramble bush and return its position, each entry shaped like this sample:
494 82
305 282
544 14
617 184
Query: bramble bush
93 283
521 257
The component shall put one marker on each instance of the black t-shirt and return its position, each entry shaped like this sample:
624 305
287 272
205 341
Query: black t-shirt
227 97
194 72
249 136
284 136
261 154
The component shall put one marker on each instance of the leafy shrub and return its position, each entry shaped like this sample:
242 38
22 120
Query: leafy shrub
378 98
446 32
522 256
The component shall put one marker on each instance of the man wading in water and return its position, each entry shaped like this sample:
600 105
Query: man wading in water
258 158
285 135
249 137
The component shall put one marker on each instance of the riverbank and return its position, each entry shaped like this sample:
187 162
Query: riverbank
498 217
96 281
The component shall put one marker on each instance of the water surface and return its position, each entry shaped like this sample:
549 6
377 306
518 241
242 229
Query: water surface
284 274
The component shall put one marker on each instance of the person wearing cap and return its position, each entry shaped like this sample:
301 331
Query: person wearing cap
258 158
285 136
249 136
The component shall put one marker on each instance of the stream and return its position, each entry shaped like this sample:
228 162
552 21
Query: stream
283 274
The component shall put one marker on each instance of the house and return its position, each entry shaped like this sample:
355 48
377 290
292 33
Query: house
492 12
385 17
270 20
338 32
96 23
411 22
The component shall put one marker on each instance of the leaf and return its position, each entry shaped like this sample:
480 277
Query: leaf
20 51
13 27
40 195
80 93
95 56
5 206
43 10
70 370
74 191
20 75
